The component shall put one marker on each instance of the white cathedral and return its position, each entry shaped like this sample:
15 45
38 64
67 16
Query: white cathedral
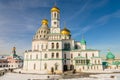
53 50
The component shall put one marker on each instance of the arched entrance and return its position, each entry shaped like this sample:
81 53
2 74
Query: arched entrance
52 70
65 67
71 67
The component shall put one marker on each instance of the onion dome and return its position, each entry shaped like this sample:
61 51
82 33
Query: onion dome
55 9
110 55
65 31
14 48
83 41
44 21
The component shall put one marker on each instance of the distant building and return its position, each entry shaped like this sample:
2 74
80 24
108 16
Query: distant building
53 50
111 62
12 61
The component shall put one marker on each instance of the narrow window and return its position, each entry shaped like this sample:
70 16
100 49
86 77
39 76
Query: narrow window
57 45
36 56
71 55
52 55
86 55
65 56
34 66
56 66
45 55
92 54
55 15
57 55
45 66
52 45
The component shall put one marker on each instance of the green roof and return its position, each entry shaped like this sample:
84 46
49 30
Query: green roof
110 55
83 42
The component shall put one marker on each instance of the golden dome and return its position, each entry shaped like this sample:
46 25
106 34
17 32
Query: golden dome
65 31
55 9
45 21
14 48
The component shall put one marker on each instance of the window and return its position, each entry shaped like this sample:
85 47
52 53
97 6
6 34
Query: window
55 15
79 54
52 55
56 66
98 61
57 45
76 47
41 31
44 31
95 61
36 56
71 55
55 23
45 66
45 55
57 55
86 55
65 56
52 45
34 66
92 54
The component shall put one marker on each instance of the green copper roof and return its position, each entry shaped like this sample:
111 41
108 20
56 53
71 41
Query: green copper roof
83 42
110 55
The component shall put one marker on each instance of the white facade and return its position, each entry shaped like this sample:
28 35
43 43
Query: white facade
53 50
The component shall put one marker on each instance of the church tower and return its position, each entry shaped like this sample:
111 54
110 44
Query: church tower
55 20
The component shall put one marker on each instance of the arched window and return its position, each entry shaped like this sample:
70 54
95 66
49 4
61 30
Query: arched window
92 54
52 45
98 61
68 46
57 45
57 55
71 55
41 31
76 47
45 55
52 55
65 56
55 15
56 66
36 56
65 46
45 66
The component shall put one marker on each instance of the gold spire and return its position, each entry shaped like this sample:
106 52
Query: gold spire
65 31
45 22
55 9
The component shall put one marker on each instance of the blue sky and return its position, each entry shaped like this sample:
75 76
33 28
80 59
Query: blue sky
98 20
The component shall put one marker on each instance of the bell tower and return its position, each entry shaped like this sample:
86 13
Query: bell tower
55 20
